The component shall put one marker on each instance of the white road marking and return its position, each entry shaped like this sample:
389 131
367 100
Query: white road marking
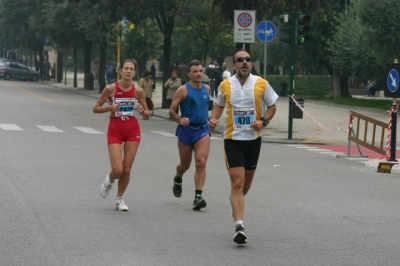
49 128
88 130
10 127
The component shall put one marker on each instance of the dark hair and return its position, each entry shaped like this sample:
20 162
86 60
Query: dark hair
146 73
240 50
194 62
130 61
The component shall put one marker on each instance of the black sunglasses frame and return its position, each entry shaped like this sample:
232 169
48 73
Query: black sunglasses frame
241 59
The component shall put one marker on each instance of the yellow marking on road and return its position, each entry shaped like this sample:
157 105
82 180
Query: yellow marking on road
32 93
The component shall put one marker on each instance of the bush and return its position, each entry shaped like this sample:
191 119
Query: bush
303 85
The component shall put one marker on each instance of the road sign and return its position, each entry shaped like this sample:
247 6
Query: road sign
47 48
47 41
244 26
392 80
266 31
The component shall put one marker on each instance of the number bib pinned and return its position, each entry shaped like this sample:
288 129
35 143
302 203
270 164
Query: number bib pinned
243 117
126 106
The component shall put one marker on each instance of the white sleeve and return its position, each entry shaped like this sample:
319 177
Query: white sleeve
220 100
270 96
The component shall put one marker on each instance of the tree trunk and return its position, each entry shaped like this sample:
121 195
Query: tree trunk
344 86
336 84
74 50
102 67
60 60
166 67
88 56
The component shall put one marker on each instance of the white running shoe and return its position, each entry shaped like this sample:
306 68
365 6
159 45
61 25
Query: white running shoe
120 205
105 187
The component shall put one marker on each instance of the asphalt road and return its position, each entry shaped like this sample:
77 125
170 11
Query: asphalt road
306 206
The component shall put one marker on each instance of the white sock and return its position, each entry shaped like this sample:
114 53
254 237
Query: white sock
239 222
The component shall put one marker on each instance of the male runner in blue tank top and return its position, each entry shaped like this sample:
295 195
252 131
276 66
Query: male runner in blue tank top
192 132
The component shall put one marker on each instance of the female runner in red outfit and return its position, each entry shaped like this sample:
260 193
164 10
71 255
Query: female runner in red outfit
123 136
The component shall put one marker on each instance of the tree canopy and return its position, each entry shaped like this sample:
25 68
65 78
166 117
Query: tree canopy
352 37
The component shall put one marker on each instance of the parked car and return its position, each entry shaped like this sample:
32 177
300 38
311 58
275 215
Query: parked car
10 69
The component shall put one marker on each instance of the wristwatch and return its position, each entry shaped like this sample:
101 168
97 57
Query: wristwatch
265 121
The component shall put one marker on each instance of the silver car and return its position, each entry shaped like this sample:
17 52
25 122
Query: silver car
14 70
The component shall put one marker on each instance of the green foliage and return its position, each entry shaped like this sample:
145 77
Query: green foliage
17 18
382 24
365 38
208 36
142 43
304 85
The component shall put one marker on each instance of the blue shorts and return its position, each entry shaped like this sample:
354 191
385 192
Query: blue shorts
189 136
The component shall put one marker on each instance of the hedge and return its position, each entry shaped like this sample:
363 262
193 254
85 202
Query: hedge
303 85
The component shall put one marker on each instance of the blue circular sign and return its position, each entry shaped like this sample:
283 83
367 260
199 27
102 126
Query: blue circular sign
266 31
393 80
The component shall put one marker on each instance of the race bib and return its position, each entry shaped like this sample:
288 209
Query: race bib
126 106
243 117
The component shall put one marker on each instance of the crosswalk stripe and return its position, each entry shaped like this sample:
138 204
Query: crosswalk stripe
88 130
49 128
10 127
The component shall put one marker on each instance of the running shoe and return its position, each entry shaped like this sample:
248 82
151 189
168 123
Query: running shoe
120 205
177 189
199 203
105 187
240 235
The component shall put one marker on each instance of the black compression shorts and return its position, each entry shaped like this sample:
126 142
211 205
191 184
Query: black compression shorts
242 153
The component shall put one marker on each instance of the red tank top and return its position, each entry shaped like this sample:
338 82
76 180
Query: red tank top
125 99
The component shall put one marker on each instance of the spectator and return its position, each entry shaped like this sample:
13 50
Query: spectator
110 71
145 84
172 84
210 69
376 86
183 72
226 73
368 88
217 78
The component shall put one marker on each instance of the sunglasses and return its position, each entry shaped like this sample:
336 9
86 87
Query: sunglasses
241 59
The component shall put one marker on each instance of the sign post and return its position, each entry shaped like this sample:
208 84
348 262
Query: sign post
266 32
392 90
47 47
243 30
